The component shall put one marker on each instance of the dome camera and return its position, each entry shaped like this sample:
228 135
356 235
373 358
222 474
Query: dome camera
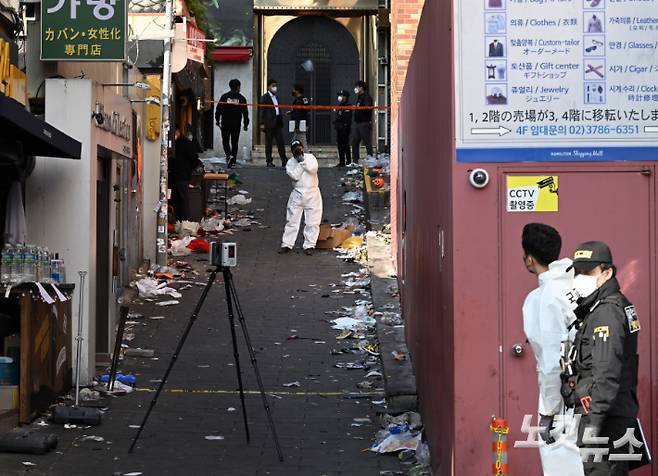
479 178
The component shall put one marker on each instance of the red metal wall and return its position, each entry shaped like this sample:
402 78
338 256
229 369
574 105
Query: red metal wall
425 170
461 316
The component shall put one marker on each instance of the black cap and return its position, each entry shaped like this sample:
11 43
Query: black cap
296 142
590 254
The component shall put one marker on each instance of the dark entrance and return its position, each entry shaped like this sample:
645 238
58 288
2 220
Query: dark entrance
320 54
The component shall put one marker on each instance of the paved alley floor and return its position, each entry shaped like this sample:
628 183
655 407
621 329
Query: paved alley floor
281 295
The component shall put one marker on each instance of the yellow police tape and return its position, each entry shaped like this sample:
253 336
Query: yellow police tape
256 392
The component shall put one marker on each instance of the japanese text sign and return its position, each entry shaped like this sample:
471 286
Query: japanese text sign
83 30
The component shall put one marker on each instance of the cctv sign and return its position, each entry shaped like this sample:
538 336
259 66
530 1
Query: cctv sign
83 30
532 194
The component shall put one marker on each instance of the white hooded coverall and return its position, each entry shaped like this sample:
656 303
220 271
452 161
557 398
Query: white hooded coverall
547 313
305 198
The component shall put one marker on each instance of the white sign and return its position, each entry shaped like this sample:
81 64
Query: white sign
556 80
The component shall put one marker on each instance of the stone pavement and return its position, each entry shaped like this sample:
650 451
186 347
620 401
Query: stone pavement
280 296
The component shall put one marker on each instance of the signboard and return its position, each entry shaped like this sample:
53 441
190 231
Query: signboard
371 5
83 30
532 194
196 49
556 80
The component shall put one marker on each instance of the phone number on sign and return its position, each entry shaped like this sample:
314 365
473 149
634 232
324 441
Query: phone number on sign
577 130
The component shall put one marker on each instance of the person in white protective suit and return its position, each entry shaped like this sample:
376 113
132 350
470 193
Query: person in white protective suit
547 315
305 197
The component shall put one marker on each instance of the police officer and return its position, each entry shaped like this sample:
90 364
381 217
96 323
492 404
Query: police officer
603 389
343 125
228 116
299 116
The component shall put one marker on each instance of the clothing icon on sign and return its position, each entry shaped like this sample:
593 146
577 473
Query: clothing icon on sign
495 3
594 69
496 49
496 94
594 22
595 93
495 23
594 45
496 70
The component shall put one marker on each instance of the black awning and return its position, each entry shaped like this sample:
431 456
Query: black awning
36 136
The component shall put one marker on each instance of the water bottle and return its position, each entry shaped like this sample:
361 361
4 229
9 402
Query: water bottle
19 264
58 273
30 263
7 264
45 265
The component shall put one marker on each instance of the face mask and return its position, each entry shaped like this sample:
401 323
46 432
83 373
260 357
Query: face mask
356 90
585 285
273 89
340 98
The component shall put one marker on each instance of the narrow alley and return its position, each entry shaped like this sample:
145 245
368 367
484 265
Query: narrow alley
326 424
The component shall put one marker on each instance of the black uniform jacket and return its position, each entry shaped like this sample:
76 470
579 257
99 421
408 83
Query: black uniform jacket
607 359
343 120
299 114
363 115
229 115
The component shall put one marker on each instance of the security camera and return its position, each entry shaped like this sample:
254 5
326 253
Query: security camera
479 178
97 115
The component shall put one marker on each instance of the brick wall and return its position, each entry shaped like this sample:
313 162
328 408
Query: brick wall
405 15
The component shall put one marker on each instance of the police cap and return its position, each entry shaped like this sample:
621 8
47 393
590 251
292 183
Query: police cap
590 254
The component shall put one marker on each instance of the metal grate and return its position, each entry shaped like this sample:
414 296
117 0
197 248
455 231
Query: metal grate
317 87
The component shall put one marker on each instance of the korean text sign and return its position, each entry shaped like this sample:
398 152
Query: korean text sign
83 30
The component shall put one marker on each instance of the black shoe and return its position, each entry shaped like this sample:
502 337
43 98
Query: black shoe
269 164
308 251
284 250
340 166
231 162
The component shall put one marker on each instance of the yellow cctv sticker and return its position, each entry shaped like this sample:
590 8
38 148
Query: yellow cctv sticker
583 254
537 193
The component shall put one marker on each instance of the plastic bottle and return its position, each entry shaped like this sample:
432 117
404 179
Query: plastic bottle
45 265
7 264
58 273
19 263
31 264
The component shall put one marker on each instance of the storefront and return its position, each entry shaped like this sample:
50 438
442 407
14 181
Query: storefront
76 208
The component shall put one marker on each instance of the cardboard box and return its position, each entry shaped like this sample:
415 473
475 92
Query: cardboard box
331 238
8 397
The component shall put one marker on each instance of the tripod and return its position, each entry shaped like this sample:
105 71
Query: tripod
231 300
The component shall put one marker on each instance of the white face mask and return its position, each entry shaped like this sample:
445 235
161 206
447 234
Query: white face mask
356 90
585 285
340 98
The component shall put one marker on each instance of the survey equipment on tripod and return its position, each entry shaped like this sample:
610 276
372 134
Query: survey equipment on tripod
226 255
223 254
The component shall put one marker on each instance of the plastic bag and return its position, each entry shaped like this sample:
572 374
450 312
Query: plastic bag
238 200
179 247
187 228
352 242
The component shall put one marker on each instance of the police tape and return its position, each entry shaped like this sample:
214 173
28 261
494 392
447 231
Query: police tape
290 106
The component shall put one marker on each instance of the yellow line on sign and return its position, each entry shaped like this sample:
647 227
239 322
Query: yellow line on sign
256 392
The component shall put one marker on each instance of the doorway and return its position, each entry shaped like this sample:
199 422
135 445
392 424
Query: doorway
320 54
588 210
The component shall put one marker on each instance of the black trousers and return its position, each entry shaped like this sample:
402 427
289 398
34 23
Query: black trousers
343 143
180 199
614 428
230 138
361 131
275 134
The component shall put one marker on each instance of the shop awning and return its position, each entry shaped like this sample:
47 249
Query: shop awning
36 136
232 53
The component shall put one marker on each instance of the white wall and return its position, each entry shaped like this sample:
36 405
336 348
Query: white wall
150 196
61 202
224 72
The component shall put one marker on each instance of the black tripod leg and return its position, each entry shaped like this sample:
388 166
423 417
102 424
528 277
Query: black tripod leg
236 356
193 318
228 278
